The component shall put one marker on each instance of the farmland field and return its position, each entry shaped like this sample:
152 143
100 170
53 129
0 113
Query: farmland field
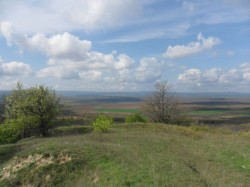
233 110
117 110
208 109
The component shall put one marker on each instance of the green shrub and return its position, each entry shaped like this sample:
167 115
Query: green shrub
10 132
102 123
136 117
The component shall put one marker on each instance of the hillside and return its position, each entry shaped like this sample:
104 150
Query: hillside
130 155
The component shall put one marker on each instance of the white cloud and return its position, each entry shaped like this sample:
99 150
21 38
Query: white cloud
92 75
107 63
121 69
124 62
200 45
216 78
69 57
212 75
59 72
59 46
246 76
245 66
149 70
246 71
230 76
14 69
167 31
50 16
190 76
7 83
7 31
53 16
72 58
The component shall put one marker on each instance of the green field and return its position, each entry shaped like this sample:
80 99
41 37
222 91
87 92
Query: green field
207 112
129 155
117 110
244 115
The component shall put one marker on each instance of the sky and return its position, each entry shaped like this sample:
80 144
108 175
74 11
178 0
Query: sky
126 45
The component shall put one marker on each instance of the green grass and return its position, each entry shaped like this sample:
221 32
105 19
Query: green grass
134 155
244 115
218 112
117 110
72 129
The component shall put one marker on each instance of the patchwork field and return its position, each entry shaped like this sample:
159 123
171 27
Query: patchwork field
230 110
113 105
227 111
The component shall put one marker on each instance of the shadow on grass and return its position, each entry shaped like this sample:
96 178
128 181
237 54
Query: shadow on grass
8 151
71 130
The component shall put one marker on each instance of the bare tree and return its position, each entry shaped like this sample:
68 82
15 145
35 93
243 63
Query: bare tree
162 106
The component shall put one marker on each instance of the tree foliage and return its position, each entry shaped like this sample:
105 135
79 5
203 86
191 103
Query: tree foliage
136 117
102 123
162 106
10 132
33 108
1 112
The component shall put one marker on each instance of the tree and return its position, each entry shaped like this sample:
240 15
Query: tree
1 111
2 108
102 123
35 107
162 105
136 117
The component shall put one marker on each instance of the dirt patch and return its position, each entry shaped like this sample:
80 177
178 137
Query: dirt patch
39 160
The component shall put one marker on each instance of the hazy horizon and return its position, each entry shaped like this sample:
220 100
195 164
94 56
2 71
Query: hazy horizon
143 92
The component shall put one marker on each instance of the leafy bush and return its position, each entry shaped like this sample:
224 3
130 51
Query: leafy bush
136 117
102 123
36 106
10 132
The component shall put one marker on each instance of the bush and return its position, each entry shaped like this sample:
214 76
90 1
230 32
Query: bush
10 132
136 117
102 123
36 107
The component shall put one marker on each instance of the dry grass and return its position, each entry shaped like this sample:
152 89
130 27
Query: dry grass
38 160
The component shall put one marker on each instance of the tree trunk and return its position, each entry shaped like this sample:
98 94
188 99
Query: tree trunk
44 130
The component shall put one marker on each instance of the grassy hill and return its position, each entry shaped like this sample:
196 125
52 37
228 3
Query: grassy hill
130 155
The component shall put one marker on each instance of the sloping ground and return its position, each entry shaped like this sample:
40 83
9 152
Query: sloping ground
131 155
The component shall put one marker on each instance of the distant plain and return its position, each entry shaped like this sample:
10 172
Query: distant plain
229 109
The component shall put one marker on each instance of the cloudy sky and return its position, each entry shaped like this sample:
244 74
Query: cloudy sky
126 45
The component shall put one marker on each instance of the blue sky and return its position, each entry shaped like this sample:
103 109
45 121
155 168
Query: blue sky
126 45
